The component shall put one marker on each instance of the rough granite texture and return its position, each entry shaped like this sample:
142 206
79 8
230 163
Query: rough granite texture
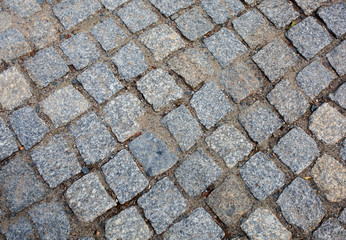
222 10
24 8
113 4
20 228
169 7
342 216
335 18
13 45
309 6
337 58
340 96
8 143
330 230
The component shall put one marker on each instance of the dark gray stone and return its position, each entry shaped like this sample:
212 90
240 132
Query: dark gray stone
340 96
335 18
24 8
309 6
337 58
169 7
113 4
13 45
8 143
330 230
20 228
220 11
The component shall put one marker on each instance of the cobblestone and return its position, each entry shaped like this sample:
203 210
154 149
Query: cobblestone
113 4
21 228
309 6
13 44
169 7
335 18
337 58
24 8
330 230
340 96
5 21
342 216
8 143
220 11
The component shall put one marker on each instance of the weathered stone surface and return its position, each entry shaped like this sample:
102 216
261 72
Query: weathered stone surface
124 177
210 104
337 58
21 186
199 225
159 89
100 82
340 96
162 204
64 105
20 228
335 18
162 41
113 4
13 44
262 224
230 201
29 128
127 225
183 127
330 177
330 230
342 216
343 150
8 143
24 8
309 6
14 88
297 150
169 7
88 199
5 21
300 205
230 144
153 154
220 11
327 124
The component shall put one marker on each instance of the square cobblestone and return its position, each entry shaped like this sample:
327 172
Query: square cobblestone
300 205
184 128
128 224
124 177
162 204
210 104
113 4
314 78
275 59
80 50
279 12
14 88
262 176
29 128
88 198
100 82
327 124
72 12
194 65
309 37
13 45
220 11
253 28
309 6
231 201
56 161
46 66
340 95
130 61
335 18
199 225
169 7
18 228
297 150
241 79
224 46
8 143
262 224
20 184
153 154
330 230
64 105
230 144
159 89
122 114
24 8
93 140
162 41
337 58
197 173
259 121
137 16
109 34
330 177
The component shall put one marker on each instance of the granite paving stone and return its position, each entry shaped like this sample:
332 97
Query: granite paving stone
309 37
20 228
109 34
51 221
56 161
169 7
24 8
335 18
72 12
343 150
184 128
225 46
13 44
337 58
230 144
327 124
20 185
130 61
199 225
92 138
262 224
330 177
29 128
5 21
153 154
100 82
275 59
342 216
127 225
46 66
80 50
137 16
64 105
122 114
221 11
309 6
300 205
259 121
330 230
197 173
340 96
124 177
8 143
210 104
262 176
162 41
88 198
113 4
162 204
251 2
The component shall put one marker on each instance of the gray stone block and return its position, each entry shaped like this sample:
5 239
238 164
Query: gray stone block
20 228
220 11
343 151
5 21
337 58
169 7
13 45
342 216
8 143
330 230
335 18
340 96
309 6
24 8
113 4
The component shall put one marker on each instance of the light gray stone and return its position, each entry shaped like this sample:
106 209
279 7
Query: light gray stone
330 230
343 151
20 228
220 11
342 216
340 96
24 8
335 18
13 45
5 21
113 4
8 143
309 6
337 58
169 7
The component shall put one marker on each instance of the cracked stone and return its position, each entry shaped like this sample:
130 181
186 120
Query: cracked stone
221 11
8 143
309 6
13 45
24 8
330 230
337 58
335 18
169 7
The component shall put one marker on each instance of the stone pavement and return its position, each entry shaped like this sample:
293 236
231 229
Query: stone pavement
173 119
